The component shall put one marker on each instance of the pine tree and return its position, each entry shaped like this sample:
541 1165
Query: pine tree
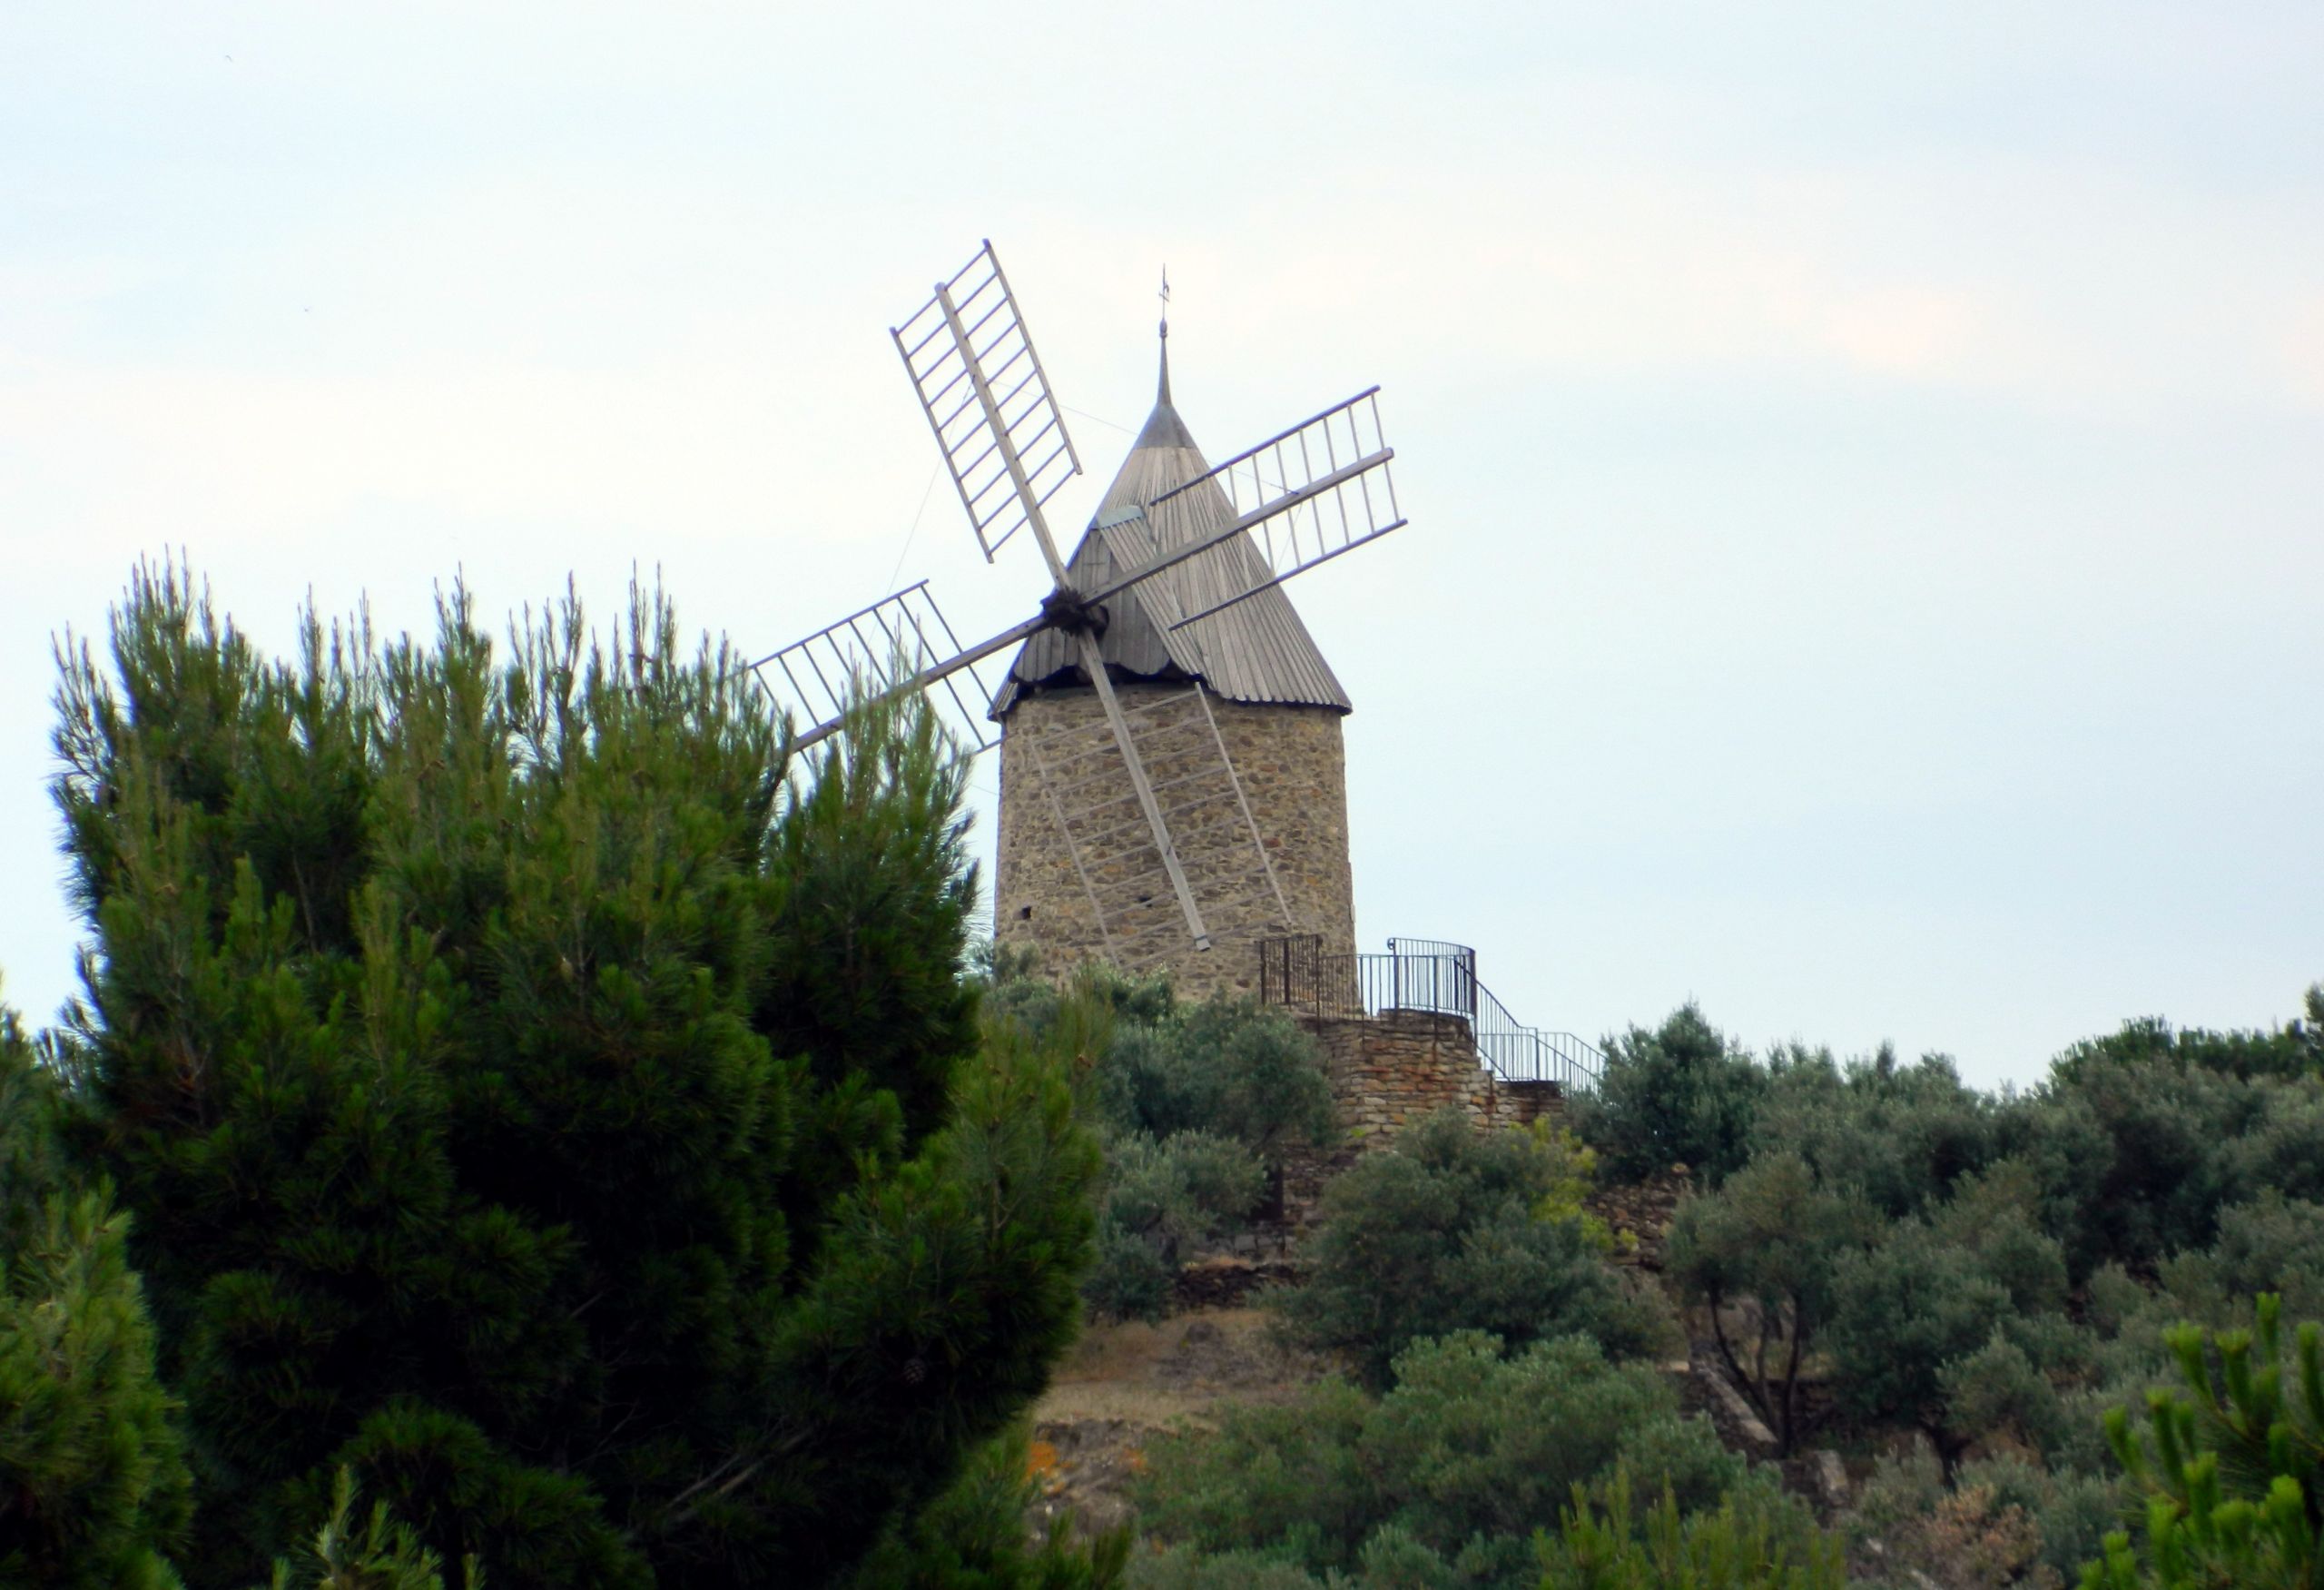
535 1102
2231 1467
92 1486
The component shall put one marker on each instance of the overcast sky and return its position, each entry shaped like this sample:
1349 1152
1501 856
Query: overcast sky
1864 471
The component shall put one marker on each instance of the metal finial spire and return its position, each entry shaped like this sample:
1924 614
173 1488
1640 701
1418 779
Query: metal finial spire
1163 392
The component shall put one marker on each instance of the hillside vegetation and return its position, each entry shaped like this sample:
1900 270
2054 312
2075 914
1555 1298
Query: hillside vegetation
521 1128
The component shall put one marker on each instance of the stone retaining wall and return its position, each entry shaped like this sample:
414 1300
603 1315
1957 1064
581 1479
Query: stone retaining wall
1397 1069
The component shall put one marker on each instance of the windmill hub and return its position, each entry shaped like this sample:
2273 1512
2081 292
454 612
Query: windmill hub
1066 609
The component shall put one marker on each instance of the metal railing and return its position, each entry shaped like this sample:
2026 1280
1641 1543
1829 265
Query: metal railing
1433 977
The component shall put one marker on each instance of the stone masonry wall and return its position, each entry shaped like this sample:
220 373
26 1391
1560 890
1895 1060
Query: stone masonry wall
1291 765
1397 1069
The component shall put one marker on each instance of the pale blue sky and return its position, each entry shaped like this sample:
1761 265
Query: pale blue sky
1863 469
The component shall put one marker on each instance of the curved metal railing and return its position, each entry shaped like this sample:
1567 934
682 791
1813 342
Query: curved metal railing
1433 976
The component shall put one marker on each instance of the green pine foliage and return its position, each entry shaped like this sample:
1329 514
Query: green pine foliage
1458 1230
2231 1465
533 1102
974 1537
1754 1540
92 1483
372 1552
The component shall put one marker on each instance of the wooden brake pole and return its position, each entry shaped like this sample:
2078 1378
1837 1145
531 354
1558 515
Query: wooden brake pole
1094 662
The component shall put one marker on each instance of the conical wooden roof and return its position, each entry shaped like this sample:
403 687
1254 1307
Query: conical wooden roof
1256 650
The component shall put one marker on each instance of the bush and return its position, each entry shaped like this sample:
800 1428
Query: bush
1902 1313
1198 1104
1227 1067
1681 1094
2140 1153
1185 1568
1470 1453
1160 1198
2294 1050
1898 1136
2072 1512
2271 1244
1230 1067
1953 1323
2004 1523
1448 1232
1996 1389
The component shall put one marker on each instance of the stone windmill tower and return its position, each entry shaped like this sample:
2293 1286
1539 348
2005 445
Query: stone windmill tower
1172 786
1237 718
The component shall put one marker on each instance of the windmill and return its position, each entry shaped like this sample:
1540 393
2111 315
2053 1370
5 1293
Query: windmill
1175 564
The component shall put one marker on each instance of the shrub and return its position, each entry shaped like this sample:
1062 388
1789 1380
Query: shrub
2271 1244
1682 1095
1230 1068
2140 1153
1899 1136
1992 1217
1997 1389
1199 1104
2296 1048
1160 1198
2072 1512
1446 1232
1241 1071
1470 1453
1185 1568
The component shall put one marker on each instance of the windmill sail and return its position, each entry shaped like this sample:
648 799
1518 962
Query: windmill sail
898 643
987 399
960 348
1298 500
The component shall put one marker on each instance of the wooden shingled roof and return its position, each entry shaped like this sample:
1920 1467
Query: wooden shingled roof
1256 650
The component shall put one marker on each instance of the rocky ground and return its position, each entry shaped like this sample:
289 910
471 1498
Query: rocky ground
1125 1383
